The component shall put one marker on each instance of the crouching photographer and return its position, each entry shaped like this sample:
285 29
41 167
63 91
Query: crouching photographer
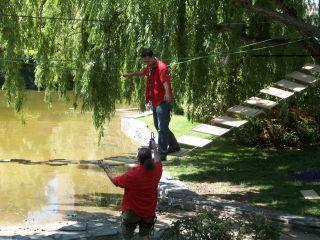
140 191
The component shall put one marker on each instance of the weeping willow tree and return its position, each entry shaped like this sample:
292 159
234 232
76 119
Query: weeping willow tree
90 43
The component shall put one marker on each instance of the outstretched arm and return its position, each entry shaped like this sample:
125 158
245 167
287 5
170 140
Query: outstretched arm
134 74
105 167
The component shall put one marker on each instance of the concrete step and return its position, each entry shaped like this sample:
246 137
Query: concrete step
303 77
262 103
311 67
296 87
310 194
229 121
277 92
139 115
245 111
210 129
193 141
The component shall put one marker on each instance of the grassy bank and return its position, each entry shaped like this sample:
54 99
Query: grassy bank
262 176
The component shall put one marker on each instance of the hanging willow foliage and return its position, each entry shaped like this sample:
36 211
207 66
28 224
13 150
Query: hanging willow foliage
90 43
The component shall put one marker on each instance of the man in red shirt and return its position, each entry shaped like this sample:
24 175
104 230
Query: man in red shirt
140 192
159 95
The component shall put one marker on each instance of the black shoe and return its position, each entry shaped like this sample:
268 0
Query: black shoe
163 158
174 149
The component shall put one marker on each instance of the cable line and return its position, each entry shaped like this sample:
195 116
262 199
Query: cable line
186 58
104 20
53 18
238 52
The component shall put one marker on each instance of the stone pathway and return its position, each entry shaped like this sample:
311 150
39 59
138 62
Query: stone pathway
64 230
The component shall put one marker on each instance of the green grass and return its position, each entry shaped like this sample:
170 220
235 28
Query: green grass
265 174
179 126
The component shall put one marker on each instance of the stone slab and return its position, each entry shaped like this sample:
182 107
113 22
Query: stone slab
210 129
262 103
139 115
311 67
181 153
193 141
246 111
104 231
58 160
17 160
87 161
5 161
229 121
303 77
310 194
127 109
296 87
277 92
121 159
56 164
74 228
136 130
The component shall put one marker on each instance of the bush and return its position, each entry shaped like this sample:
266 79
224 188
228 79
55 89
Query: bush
294 131
249 135
307 130
212 227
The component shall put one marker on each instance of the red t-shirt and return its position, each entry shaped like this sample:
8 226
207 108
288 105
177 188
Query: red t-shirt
140 189
154 84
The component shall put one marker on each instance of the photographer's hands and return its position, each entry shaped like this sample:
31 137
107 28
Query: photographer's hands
153 144
103 165
155 151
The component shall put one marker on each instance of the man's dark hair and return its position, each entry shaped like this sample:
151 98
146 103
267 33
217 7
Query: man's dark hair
146 52
145 158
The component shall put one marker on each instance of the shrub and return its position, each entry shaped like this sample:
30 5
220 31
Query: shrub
209 226
295 131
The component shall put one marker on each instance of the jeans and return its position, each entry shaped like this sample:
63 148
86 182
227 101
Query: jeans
161 119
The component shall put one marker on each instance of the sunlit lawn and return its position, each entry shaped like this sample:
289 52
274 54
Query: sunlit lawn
265 173
179 126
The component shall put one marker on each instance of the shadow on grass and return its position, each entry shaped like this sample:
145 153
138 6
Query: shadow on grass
265 173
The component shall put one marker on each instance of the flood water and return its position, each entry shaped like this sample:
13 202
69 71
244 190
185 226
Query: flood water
36 193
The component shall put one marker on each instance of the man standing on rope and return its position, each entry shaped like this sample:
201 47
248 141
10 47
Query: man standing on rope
160 96
140 192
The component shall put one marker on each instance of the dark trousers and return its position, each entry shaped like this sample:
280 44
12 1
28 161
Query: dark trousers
130 221
161 119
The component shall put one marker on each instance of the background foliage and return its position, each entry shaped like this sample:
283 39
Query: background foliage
85 45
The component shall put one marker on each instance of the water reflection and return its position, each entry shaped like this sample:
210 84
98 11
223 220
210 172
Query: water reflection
38 193
56 133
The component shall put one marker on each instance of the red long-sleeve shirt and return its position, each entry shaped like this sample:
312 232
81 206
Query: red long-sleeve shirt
155 90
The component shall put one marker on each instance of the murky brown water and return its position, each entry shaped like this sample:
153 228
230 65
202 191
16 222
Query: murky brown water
41 193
